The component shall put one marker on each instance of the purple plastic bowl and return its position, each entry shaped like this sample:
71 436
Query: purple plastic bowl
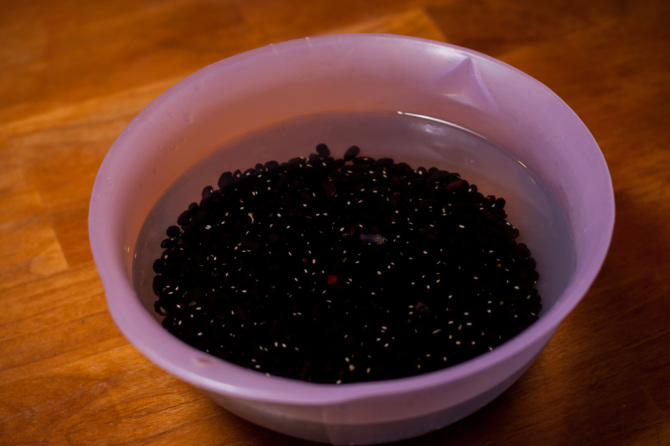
252 91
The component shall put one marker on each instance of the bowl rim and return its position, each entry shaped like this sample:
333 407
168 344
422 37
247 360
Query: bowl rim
130 315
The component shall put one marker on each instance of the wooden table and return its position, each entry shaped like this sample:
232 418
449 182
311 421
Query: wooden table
74 73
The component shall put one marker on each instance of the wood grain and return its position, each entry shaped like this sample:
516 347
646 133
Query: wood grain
73 73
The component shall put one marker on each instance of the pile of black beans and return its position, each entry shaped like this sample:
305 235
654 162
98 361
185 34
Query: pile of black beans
345 270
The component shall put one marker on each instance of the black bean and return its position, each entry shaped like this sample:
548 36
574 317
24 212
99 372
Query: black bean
437 175
225 180
159 266
385 162
329 188
271 165
158 285
186 216
207 192
323 150
159 309
168 242
173 231
345 270
351 153
377 239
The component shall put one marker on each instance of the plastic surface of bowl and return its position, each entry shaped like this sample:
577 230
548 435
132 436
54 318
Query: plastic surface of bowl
346 74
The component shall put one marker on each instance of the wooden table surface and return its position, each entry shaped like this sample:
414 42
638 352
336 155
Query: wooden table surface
74 73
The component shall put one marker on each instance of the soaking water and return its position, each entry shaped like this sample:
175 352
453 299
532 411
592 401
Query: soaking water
417 140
